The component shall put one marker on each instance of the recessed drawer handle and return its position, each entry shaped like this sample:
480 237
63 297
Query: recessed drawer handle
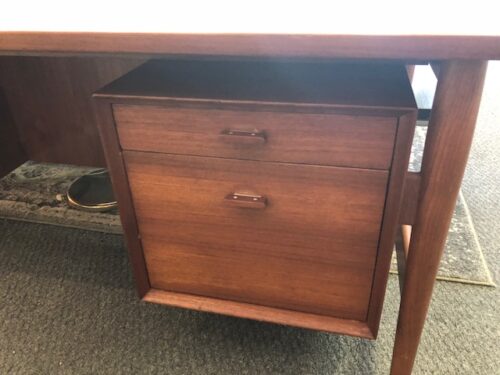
246 201
256 137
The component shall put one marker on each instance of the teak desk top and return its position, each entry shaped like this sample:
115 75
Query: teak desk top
387 29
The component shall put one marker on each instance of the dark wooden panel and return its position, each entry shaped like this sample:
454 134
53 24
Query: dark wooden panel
312 248
11 151
352 84
50 100
325 139
409 203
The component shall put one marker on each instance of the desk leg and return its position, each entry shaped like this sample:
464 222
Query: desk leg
449 138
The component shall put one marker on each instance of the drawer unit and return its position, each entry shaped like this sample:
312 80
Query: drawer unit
267 196
308 242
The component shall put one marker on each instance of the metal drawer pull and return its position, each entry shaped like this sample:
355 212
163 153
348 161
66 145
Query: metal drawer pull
246 201
256 137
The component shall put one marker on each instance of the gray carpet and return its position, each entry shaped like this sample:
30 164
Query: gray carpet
67 306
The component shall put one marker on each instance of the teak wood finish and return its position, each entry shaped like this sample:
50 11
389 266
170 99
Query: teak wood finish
409 204
398 47
458 94
461 51
311 247
323 139
258 312
114 159
50 103
195 247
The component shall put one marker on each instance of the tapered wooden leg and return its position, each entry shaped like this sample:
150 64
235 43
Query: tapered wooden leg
449 138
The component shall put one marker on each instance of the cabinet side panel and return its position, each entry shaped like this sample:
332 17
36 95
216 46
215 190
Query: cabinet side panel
402 149
119 179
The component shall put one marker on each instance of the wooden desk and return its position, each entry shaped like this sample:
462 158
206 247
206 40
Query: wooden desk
458 55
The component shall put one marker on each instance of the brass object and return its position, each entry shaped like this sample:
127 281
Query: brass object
246 200
92 192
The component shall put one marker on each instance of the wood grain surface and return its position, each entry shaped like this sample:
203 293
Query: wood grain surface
121 188
326 139
412 48
402 150
447 146
259 312
50 103
311 249
409 204
301 238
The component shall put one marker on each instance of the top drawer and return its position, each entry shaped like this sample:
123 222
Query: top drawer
324 139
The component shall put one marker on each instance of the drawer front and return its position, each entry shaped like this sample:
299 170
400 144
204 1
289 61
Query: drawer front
308 243
322 139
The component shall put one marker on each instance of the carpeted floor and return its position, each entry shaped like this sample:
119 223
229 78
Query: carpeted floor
67 305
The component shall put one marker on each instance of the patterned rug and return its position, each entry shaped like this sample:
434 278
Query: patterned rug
35 192
463 259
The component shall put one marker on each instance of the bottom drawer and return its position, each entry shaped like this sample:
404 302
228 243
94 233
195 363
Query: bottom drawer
299 237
